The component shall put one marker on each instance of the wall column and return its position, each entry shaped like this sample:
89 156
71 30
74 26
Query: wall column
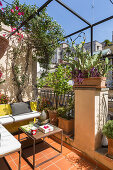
91 110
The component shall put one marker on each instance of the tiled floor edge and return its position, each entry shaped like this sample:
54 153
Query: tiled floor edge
82 154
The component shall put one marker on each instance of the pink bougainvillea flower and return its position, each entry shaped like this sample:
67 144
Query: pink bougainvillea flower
0 74
12 10
17 8
19 13
1 3
22 13
22 36
4 35
2 9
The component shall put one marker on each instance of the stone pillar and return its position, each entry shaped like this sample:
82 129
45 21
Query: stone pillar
91 110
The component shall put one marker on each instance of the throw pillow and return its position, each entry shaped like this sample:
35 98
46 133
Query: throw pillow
20 108
5 109
33 106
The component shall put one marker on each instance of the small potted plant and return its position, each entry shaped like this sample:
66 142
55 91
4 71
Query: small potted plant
65 119
58 81
108 132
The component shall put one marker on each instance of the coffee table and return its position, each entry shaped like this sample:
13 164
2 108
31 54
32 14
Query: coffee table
40 135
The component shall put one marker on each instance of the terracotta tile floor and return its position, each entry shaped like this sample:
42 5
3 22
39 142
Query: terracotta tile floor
69 160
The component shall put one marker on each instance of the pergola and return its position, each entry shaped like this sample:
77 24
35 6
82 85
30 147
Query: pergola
89 25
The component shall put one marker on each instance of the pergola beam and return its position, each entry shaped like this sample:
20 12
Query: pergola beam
72 11
77 32
104 20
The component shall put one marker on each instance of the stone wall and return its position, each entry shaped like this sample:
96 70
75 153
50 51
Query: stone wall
8 87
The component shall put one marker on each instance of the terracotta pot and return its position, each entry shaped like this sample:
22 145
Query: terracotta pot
53 116
110 147
98 82
66 125
3 45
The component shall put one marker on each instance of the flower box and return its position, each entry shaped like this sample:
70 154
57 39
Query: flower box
66 125
97 82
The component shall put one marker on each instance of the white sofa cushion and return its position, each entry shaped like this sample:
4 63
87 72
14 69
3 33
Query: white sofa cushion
8 143
26 116
10 119
6 119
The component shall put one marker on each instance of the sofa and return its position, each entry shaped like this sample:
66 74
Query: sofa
17 114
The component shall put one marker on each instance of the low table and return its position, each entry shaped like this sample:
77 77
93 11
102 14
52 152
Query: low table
38 136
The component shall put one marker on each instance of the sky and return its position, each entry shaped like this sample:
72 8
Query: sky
91 10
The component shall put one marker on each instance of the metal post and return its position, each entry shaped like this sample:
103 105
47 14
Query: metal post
91 40
34 154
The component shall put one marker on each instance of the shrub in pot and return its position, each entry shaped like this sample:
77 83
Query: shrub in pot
58 81
108 132
65 119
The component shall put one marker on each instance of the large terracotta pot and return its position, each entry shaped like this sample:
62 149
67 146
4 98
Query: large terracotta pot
110 147
3 45
98 82
66 125
53 117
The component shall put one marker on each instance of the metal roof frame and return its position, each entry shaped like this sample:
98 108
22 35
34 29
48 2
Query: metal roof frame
74 13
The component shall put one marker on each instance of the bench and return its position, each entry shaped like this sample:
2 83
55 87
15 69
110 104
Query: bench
16 115
9 144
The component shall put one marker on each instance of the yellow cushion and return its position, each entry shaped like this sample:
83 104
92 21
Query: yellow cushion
33 106
5 109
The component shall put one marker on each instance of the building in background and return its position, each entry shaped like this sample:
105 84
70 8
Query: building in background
96 46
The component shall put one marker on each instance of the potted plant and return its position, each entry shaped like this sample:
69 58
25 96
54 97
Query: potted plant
65 119
43 104
108 132
58 81
87 70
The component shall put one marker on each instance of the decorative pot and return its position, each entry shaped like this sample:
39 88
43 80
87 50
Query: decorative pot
97 82
66 125
43 116
3 45
110 147
53 117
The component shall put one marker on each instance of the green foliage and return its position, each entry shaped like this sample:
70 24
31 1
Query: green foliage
57 80
81 60
3 99
107 42
42 33
108 129
66 111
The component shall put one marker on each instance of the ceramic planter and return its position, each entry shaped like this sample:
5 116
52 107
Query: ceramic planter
97 82
3 45
66 125
110 147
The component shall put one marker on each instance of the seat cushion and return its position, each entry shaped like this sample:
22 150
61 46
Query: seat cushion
5 109
25 116
20 108
6 119
8 142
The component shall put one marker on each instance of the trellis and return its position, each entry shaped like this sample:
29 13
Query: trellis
90 26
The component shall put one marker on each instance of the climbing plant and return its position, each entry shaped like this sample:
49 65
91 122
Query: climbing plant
39 38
